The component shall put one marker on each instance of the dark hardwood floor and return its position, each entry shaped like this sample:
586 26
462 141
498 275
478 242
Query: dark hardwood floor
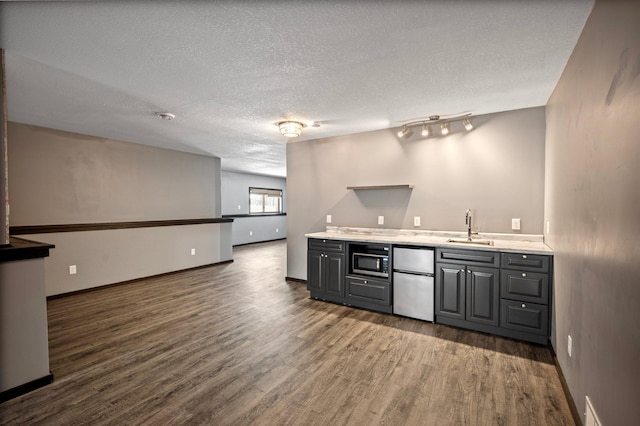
236 344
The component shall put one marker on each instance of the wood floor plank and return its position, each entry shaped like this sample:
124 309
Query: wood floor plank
236 344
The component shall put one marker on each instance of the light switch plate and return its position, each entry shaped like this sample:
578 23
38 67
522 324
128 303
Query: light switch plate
193 252
515 224
328 218
416 221
380 220
73 269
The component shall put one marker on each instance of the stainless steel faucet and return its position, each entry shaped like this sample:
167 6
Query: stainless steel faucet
467 222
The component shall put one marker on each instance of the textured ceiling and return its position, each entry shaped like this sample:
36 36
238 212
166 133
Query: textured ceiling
230 70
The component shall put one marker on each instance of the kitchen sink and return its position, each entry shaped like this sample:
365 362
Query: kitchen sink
476 242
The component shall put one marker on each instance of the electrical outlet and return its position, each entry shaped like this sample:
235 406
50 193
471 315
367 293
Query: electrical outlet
73 270
193 252
416 221
548 226
239 207
380 220
515 224
328 218
250 233
569 346
277 230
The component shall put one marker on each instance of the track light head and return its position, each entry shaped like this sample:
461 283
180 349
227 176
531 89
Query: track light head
444 128
426 130
405 132
467 124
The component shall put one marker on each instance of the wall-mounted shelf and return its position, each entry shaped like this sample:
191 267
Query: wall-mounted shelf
357 188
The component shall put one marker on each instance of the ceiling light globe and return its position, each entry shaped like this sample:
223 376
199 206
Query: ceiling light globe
467 124
444 129
291 129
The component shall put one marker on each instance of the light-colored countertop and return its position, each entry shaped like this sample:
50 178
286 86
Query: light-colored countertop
518 243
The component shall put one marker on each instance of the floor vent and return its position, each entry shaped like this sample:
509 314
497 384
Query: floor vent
590 416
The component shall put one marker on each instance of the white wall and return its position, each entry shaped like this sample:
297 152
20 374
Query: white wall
497 170
592 202
235 201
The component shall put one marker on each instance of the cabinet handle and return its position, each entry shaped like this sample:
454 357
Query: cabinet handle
524 275
468 272
365 281
524 306
524 256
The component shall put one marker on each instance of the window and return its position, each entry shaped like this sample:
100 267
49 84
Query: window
265 201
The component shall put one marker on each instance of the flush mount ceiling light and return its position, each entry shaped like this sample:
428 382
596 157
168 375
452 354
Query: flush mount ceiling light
444 122
291 129
165 115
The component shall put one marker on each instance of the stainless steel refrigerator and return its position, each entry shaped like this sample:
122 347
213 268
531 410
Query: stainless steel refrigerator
413 282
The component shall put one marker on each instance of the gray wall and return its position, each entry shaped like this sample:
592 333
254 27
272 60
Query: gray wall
112 256
59 178
497 170
592 202
24 343
64 178
235 201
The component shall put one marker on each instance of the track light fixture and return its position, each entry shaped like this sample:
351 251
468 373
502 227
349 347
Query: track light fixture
445 125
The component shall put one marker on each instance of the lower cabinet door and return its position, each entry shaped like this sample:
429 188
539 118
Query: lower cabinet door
483 299
524 316
334 273
315 270
372 291
450 290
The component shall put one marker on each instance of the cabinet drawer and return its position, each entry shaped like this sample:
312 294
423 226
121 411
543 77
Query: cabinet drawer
527 317
525 286
372 291
525 262
326 245
468 257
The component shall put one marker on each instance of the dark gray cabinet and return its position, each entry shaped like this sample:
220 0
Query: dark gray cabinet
482 298
450 291
364 290
465 292
503 293
369 291
525 294
326 269
495 292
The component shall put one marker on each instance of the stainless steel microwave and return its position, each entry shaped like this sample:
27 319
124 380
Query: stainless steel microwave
376 265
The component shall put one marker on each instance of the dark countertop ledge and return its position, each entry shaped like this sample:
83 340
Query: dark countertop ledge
21 249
